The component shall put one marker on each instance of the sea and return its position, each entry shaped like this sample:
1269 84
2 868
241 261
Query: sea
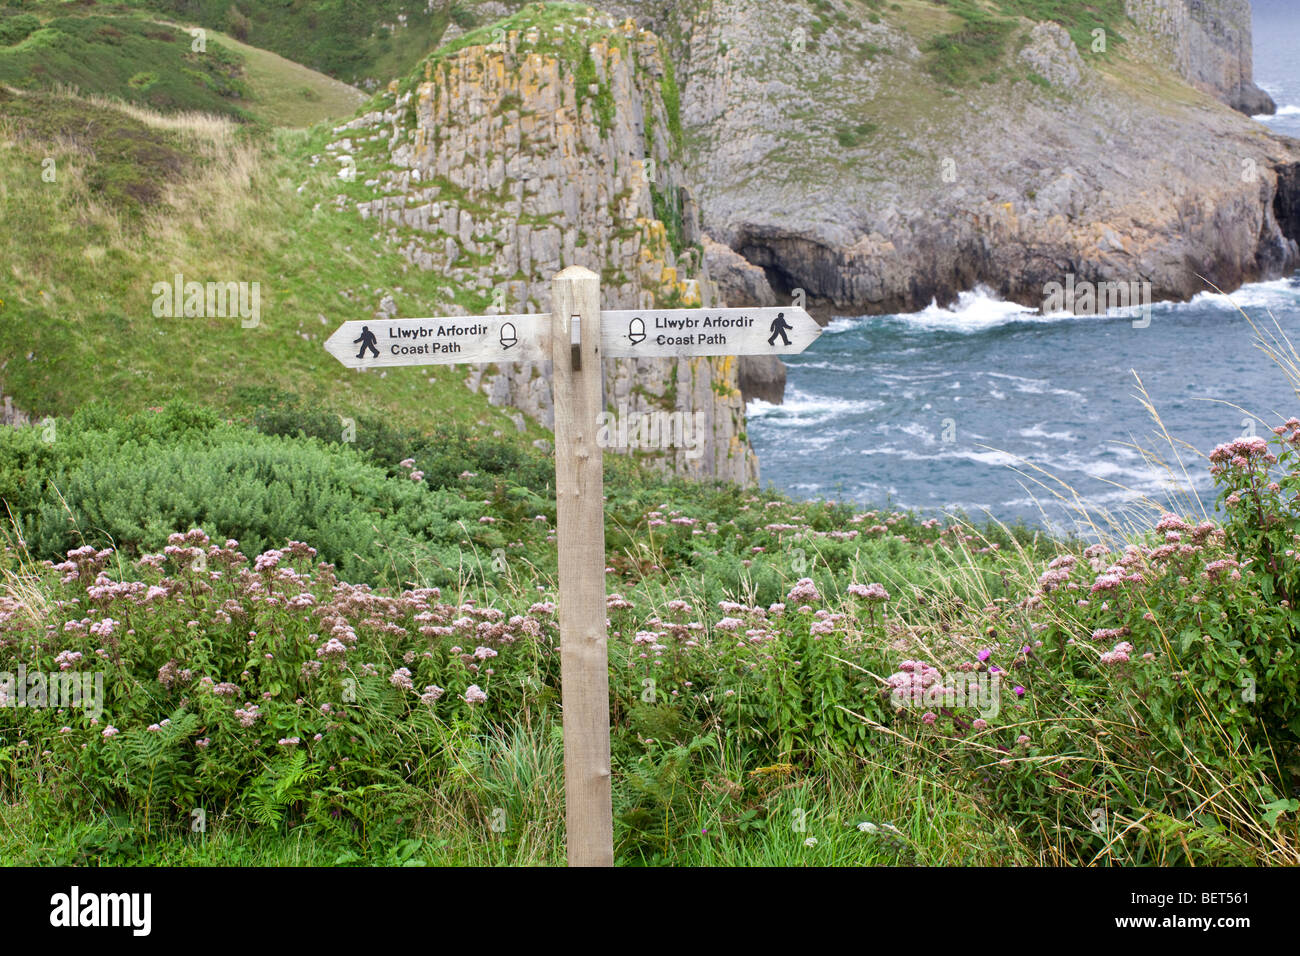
990 410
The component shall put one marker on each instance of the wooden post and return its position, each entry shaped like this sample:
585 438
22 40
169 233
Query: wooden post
580 529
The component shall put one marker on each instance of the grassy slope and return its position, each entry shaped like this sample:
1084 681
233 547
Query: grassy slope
346 39
145 63
77 313
131 56
286 93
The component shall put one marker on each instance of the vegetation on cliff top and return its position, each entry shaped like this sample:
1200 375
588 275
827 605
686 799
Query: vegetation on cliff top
770 660
122 212
783 676
141 62
369 42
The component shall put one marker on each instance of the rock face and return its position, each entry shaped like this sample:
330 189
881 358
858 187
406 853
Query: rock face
829 151
543 145
836 154
1050 52
1211 45
739 282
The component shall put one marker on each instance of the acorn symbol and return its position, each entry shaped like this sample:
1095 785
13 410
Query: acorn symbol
508 336
636 331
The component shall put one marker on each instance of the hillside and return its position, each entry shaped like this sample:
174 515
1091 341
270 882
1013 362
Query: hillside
139 59
274 212
879 155
132 59
138 198
363 44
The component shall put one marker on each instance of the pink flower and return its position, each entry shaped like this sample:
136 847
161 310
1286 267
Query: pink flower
474 695
1106 582
869 592
803 591
1119 654
267 560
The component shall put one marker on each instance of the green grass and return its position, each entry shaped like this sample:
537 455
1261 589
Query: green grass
125 55
740 819
285 93
1079 17
148 64
132 164
341 38
971 52
139 199
850 137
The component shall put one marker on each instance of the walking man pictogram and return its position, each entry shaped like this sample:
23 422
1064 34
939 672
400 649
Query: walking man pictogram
367 341
779 327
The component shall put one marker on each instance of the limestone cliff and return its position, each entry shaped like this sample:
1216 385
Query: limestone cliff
875 155
549 139
1210 44
881 155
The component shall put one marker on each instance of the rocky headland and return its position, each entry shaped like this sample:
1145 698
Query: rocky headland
869 157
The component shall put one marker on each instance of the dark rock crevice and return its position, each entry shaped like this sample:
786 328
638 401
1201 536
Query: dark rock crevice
1286 201
793 262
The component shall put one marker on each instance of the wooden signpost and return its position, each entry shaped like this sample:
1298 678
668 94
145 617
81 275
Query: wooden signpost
575 339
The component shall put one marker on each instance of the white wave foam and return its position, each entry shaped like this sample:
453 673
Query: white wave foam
1278 294
841 323
1034 386
973 311
832 367
802 408
1037 431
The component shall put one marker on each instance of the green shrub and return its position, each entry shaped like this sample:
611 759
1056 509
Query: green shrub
1148 709
131 482
14 29
959 57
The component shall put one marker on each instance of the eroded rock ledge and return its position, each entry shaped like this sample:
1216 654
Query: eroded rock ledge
847 170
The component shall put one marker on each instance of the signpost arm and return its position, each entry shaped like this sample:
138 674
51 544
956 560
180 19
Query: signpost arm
580 527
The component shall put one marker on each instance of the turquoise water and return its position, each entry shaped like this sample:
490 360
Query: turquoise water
1277 40
958 408
954 408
